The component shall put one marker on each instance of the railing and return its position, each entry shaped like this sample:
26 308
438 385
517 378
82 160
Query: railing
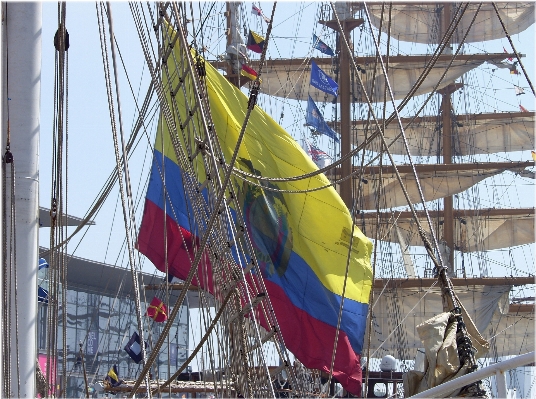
498 369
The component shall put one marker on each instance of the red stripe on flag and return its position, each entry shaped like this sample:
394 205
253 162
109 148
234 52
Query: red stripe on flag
347 367
151 244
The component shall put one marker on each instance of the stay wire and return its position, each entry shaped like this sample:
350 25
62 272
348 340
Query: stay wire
377 232
218 201
513 47
126 202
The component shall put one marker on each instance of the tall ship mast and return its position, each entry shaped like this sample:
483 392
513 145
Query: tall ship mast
449 139
328 204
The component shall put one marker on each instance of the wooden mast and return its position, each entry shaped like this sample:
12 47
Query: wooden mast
348 23
446 105
344 70
229 68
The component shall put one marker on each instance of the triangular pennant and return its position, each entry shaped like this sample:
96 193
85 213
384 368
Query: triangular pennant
248 72
519 90
323 47
509 59
112 378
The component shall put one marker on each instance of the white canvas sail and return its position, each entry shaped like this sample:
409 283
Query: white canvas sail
290 78
475 232
418 22
475 134
486 305
434 185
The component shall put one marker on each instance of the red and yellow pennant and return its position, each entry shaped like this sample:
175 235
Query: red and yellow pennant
249 72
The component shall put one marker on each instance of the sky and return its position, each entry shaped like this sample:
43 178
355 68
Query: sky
90 151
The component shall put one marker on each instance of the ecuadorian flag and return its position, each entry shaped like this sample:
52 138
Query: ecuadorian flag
301 241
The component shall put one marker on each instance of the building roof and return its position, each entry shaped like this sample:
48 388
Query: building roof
68 220
101 278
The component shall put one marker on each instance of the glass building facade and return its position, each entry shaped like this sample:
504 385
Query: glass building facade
101 314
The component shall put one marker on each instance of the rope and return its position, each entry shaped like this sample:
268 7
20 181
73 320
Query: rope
10 265
198 347
405 317
125 201
371 298
6 297
6 279
10 274
222 188
58 265
513 47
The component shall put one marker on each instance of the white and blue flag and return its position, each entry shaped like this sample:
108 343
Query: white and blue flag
322 81
42 295
315 119
42 263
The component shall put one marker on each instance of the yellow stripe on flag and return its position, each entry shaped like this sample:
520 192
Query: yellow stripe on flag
272 152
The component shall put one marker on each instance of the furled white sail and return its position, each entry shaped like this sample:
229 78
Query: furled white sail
472 233
418 23
290 78
511 333
434 185
474 134
484 304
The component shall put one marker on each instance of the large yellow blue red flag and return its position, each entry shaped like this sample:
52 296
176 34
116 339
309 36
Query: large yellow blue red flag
301 241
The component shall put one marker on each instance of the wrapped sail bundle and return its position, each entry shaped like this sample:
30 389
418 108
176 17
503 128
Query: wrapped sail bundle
442 362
